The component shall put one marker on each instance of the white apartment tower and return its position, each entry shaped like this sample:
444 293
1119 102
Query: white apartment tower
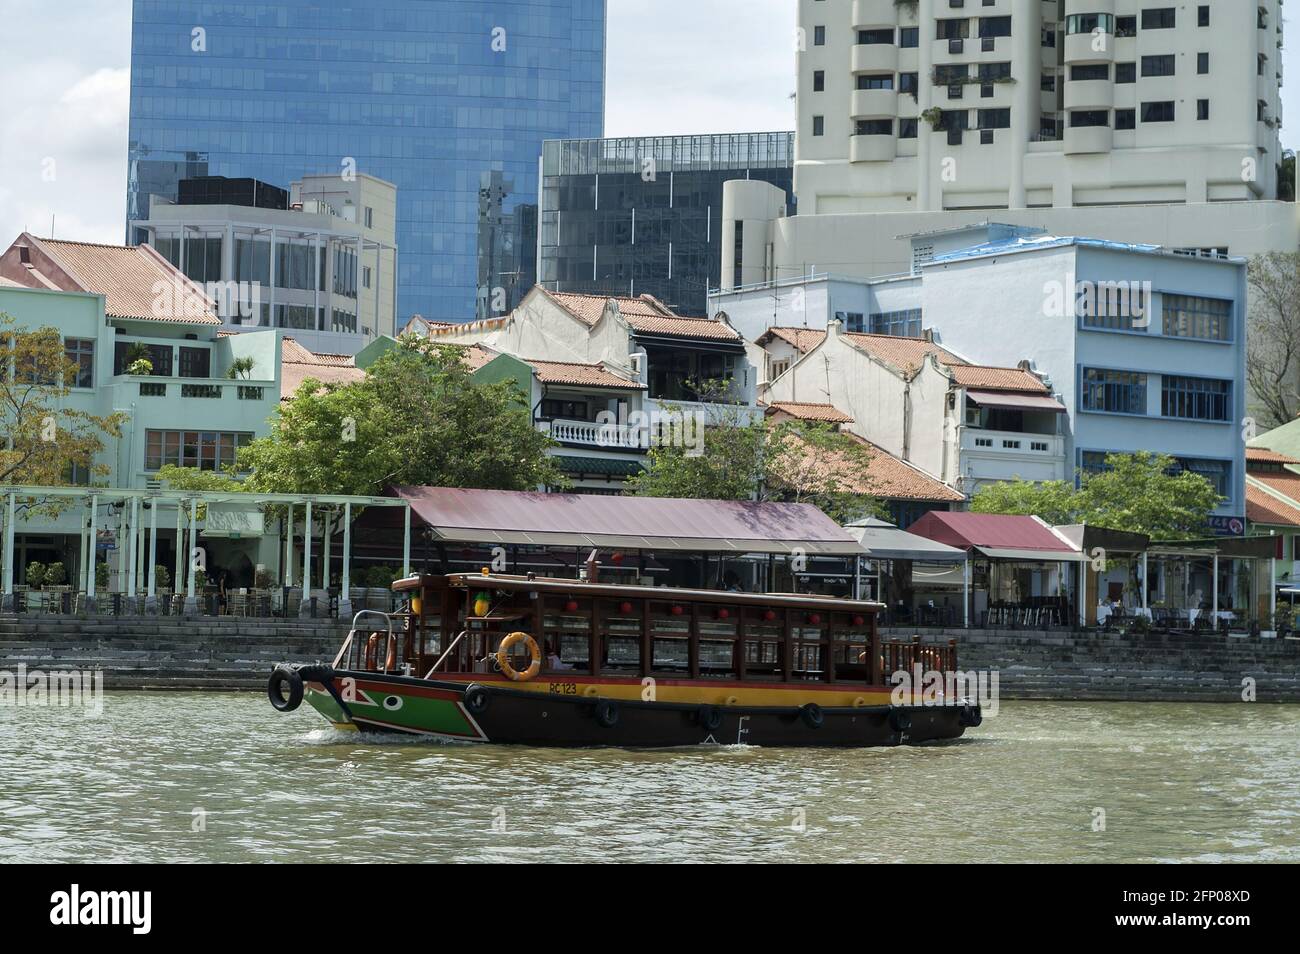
947 105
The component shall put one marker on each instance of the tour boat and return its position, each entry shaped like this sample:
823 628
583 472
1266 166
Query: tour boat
529 660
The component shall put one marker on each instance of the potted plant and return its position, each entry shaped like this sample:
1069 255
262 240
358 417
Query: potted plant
35 575
55 574
101 576
162 577
263 579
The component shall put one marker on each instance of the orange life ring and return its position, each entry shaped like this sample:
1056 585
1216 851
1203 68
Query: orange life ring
534 652
372 653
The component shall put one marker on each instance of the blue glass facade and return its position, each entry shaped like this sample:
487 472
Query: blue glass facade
450 100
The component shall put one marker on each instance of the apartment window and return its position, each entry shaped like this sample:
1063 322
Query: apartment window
991 72
819 81
907 129
875 37
1158 65
1126 119
1217 472
873 127
1202 63
1196 399
81 352
1093 71
909 37
952 29
819 36
1047 83
206 450
850 320
903 323
779 368
1191 316
908 83
946 74
370 217
1203 15
738 257
1161 112
1126 27
77 475
1113 306
995 26
1159 18
1085 118
1089 23
1115 392
1202 109
994 118
1125 73
1048 38
875 82
365 276
819 125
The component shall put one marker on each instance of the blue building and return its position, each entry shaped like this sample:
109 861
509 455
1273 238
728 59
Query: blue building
450 100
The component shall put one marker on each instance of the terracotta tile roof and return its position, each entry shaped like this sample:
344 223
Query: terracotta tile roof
996 379
885 476
589 375
802 340
476 356
645 314
1284 482
1265 456
297 364
811 412
905 354
1263 507
125 275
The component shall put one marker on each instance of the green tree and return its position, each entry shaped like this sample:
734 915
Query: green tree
1149 493
737 459
1055 501
1142 493
45 438
418 417
192 478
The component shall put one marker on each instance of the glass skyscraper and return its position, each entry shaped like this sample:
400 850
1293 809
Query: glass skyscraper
643 215
450 100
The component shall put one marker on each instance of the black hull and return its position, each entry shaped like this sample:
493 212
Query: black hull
513 717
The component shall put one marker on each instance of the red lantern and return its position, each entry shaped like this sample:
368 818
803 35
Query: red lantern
677 611
769 615
814 618
617 557
858 621
570 606
625 607
723 613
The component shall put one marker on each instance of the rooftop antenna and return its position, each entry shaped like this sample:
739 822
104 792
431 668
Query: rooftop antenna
51 225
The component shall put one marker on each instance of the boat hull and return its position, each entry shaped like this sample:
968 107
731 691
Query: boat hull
604 714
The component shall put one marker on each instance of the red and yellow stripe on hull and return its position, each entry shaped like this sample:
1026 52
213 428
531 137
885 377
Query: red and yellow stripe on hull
719 692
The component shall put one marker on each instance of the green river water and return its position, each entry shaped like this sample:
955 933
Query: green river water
177 777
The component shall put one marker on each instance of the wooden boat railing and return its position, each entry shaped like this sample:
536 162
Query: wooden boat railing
903 656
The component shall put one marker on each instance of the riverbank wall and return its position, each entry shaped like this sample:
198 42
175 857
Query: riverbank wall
238 653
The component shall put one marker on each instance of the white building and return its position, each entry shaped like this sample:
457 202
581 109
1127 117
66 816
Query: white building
1128 120
325 267
1158 363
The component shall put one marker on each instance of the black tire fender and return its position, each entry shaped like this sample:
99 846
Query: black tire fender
812 715
900 720
606 713
476 698
971 716
280 677
709 717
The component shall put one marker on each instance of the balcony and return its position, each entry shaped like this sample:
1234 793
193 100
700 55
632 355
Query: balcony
1081 48
874 58
873 14
873 104
629 436
1004 455
152 388
872 148
1085 139
1089 94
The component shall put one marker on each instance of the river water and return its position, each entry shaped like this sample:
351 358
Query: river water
176 777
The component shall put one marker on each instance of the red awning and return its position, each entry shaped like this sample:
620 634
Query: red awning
1016 401
1005 536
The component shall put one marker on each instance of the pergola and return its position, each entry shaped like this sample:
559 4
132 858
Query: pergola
189 500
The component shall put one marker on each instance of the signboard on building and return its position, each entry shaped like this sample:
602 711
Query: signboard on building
1228 526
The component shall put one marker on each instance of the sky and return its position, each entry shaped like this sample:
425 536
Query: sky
673 66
